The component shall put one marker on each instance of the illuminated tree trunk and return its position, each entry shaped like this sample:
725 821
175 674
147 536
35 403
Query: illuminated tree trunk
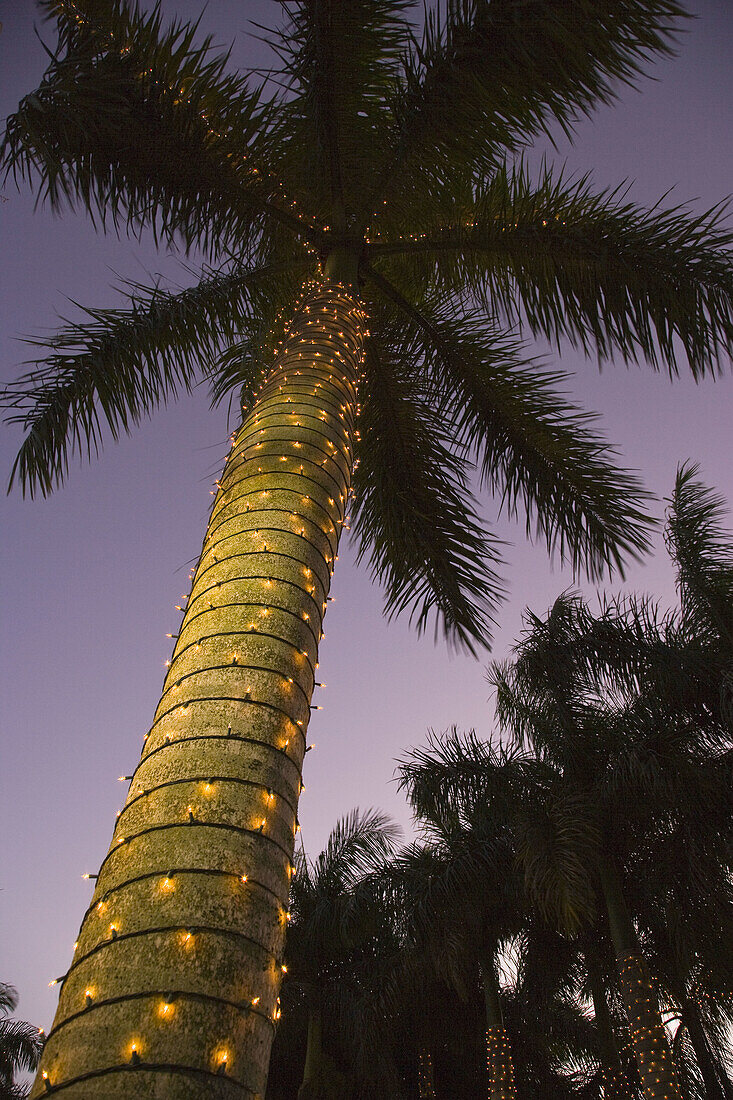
499 1063
425 1074
173 989
651 1047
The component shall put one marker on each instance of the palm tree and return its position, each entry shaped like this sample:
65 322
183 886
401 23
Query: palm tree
369 245
639 771
464 903
458 903
336 919
20 1046
681 662
567 857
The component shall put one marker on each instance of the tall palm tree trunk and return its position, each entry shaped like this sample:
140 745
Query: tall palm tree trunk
651 1047
321 1079
173 989
615 1083
715 1089
499 1062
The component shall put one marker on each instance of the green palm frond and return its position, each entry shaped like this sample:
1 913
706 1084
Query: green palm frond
106 373
387 147
416 521
8 998
558 845
334 905
590 267
455 774
526 719
21 1044
358 843
139 125
341 60
486 76
532 446
702 550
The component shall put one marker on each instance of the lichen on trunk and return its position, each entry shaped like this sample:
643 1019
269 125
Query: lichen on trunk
175 978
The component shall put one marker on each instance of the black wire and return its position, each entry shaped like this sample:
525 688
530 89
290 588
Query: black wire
207 779
154 1067
228 699
171 873
223 737
194 929
192 825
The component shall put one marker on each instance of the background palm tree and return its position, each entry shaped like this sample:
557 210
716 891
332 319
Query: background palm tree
337 925
142 127
576 832
20 1046
464 893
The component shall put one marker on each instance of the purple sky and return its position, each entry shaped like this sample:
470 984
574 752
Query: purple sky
91 576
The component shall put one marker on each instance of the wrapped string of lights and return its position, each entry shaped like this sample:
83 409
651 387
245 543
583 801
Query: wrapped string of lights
189 897
499 1065
657 1072
425 1075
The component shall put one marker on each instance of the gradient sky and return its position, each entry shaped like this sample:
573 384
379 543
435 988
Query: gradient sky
90 577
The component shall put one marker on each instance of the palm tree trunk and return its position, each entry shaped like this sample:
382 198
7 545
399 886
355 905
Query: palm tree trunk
313 1069
499 1062
615 1083
425 1075
651 1047
173 990
714 1087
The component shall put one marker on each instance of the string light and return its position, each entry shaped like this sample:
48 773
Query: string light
499 1065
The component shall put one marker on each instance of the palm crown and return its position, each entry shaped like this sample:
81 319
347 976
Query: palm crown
387 156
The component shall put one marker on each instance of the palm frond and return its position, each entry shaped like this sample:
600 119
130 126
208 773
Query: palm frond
8 998
20 1045
416 521
140 126
533 447
357 844
454 774
340 60
110 371
702 550
486 76
590 267
527 718
558 846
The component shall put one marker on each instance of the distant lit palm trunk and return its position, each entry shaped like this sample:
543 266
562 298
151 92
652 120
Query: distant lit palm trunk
173 990
651 1046
499 1062
425 1075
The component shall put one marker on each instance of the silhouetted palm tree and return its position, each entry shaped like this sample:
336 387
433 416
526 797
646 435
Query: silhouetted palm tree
638 771
335 928
369 247
20 1046
565 849
465 903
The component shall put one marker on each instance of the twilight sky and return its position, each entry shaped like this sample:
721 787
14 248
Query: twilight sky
90 577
